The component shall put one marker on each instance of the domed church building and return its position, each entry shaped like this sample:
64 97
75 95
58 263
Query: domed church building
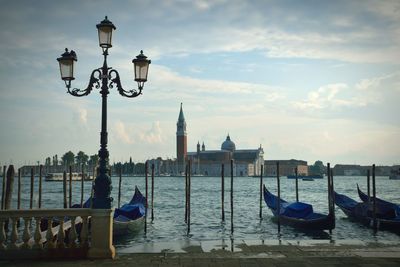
246 162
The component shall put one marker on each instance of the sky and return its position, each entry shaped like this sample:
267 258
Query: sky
309 80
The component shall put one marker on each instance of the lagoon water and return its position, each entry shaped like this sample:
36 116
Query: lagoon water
206 223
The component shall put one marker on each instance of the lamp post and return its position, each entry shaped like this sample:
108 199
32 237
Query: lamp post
103 78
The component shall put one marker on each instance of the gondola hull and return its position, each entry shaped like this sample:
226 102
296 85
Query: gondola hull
325 222
363 213
380 202
306 219
129 219
122 226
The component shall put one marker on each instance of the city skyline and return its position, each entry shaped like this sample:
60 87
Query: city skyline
310 80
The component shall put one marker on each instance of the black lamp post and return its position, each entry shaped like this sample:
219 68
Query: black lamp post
108 78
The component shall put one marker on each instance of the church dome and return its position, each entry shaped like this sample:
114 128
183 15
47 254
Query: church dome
228 144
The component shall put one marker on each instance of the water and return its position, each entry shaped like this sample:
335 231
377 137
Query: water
206 223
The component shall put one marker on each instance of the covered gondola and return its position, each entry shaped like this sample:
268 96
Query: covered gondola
380 202
387 217
298 214
130 217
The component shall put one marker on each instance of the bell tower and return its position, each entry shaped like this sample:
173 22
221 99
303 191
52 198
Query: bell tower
181 141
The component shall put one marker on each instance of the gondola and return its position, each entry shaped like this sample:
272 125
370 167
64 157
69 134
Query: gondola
298 214
130 217
387 217
380 202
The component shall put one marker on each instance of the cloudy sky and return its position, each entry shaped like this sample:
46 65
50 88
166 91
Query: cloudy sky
305 79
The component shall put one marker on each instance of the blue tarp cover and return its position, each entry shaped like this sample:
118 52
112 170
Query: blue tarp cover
298 210
131 211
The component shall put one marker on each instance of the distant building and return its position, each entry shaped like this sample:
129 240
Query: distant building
181 142
358 170
247 162
286 167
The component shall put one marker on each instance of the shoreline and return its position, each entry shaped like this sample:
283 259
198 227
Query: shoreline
241 245
245 253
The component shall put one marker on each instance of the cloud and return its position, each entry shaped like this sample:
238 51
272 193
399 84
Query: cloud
164 77
153 135
376 90
324 97
373 83
83 115
122 134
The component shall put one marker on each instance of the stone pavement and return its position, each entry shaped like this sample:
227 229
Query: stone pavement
245 253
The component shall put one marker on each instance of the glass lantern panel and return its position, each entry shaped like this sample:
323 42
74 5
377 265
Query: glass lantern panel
66 69
141 69
105 34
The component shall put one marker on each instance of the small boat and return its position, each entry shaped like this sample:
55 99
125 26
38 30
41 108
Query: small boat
387 217
303 177
298 214
59 176
308 179
130 217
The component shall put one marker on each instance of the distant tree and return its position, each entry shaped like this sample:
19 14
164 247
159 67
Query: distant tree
139 168
93 160
47 162
55 160
68 158
81 158
317 168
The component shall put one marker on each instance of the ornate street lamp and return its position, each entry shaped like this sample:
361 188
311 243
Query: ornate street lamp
104 78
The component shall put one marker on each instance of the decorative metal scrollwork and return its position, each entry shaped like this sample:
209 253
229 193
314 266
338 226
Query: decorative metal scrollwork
117 82
93 82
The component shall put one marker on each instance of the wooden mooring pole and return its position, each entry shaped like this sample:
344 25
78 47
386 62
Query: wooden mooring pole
186 192
152 192
222 192
189 189
329 191
368 186
333 200
91 195
231 196
375 226
82 185
19 194
19 190
119 186
278 203
65 189
261 189
146 167
31 195
3 190
9 187
70 187
297 184
328 170
40 186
